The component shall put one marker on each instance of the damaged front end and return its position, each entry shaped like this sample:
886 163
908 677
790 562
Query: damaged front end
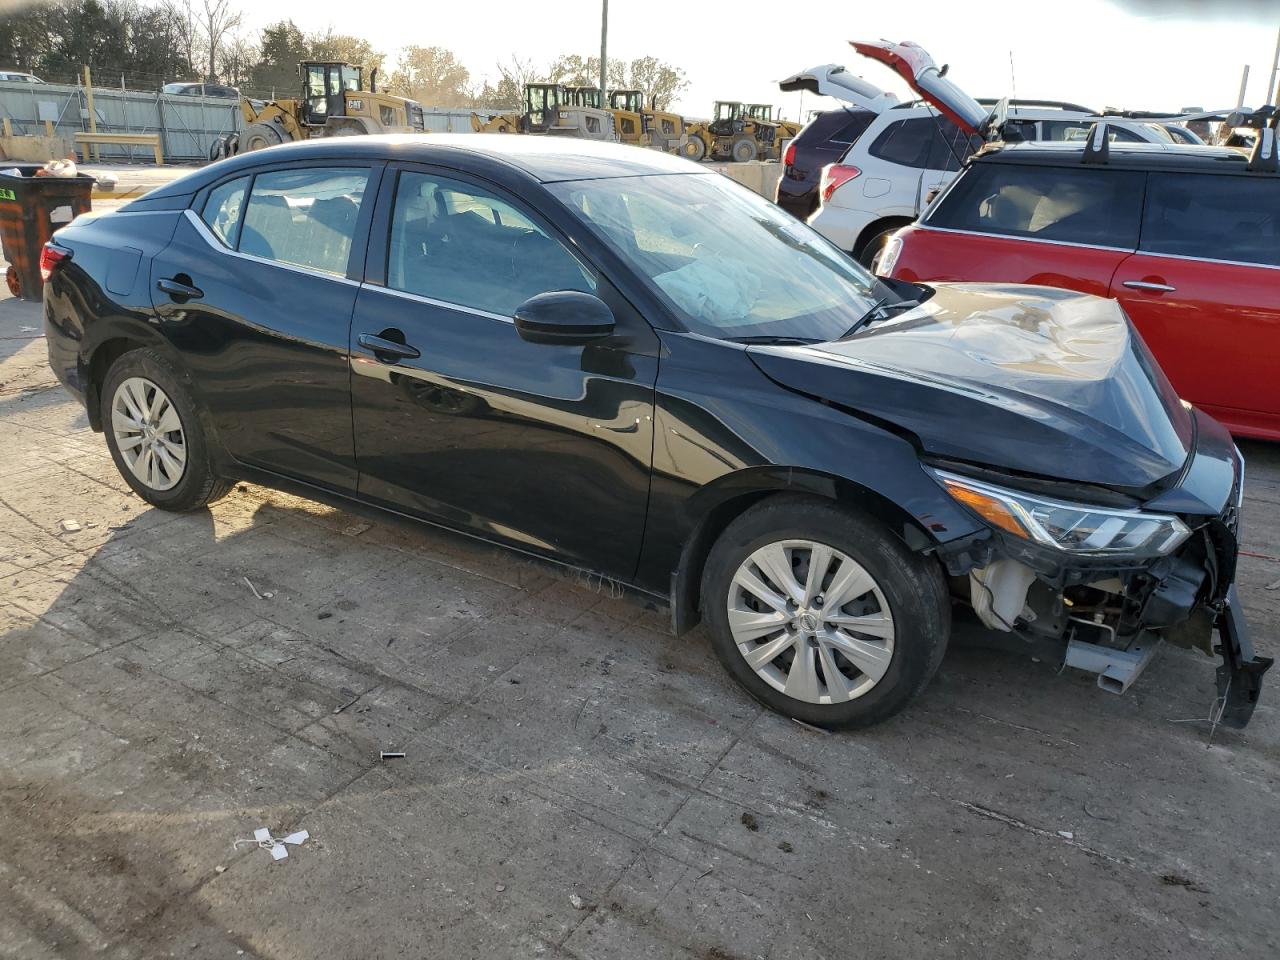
1103 584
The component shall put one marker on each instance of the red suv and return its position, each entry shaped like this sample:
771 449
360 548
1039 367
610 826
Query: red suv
1187 239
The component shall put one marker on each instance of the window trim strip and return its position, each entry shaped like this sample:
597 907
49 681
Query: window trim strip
1138 251
211 239
1013 236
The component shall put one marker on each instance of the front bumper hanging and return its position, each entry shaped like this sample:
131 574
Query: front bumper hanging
1240 675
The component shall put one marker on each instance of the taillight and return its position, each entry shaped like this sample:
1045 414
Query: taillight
789 157
50 257
834 176
887 258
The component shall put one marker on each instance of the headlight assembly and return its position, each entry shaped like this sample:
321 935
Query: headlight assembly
1078 528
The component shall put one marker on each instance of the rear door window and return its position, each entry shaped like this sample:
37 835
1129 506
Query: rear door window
1063 204
305 217
1213 217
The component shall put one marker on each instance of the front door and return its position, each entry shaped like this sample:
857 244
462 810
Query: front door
1202 291
256 290
544 447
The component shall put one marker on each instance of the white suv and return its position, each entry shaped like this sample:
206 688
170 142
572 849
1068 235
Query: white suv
910 150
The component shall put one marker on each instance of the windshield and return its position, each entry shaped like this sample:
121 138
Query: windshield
727 262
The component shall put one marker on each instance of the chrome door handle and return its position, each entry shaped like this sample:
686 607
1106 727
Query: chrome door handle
1146 285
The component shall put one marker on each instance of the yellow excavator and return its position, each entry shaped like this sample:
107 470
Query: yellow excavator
334 103
739 132
550 109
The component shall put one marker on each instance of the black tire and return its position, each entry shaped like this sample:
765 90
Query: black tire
871 249
259 136
694 149
743 150
198 485
912 584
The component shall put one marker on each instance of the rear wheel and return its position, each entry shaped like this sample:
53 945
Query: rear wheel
822 614
744 150
155 435
259 136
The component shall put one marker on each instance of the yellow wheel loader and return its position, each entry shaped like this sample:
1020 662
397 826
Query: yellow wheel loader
740 132
552 109
334 103
645 126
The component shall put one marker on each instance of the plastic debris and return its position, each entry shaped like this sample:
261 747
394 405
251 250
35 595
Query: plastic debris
264 595
391 755
71 526
1066 835
276 846
577 902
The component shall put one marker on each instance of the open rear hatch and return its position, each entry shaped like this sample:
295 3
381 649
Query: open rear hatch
913 63
833 80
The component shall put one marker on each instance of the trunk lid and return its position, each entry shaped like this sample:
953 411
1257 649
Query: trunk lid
834 80
913 63
1026 379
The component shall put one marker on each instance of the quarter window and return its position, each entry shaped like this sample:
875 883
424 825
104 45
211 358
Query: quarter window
461 244
1067 205
1217 218
222 209
304 217
905 142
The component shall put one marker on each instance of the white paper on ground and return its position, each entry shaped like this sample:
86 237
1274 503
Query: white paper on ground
262 833
279 851
298 837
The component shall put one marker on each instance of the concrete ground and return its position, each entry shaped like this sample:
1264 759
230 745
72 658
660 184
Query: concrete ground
576 782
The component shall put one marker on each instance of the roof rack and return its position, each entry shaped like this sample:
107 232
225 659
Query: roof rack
1097 145
1263 159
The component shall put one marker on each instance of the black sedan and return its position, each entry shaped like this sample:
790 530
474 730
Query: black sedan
620 361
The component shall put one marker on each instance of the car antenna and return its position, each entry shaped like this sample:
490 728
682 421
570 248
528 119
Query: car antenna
1097 145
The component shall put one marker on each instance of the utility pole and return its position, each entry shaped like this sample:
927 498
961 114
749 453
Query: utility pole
1275 68
604 51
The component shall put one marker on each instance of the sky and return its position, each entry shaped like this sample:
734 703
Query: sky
1140 54
1137 54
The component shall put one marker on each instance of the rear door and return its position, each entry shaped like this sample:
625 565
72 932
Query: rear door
1202 289
256 290
1023 223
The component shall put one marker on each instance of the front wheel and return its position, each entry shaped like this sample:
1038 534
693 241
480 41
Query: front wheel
155 435
694 148
822 614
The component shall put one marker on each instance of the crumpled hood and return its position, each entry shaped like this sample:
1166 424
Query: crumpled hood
1029 379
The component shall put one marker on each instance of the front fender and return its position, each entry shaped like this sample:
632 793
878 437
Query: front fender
725 435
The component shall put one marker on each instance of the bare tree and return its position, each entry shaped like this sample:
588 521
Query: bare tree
235 61
186 31
217 19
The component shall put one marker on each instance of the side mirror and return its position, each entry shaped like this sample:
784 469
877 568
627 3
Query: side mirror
566 317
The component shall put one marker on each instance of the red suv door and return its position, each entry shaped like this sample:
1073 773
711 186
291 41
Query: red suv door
1029 223
1202 290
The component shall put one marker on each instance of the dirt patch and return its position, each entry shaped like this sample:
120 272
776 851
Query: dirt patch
750 821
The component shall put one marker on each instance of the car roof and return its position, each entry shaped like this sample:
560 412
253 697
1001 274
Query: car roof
1125 156
546 159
